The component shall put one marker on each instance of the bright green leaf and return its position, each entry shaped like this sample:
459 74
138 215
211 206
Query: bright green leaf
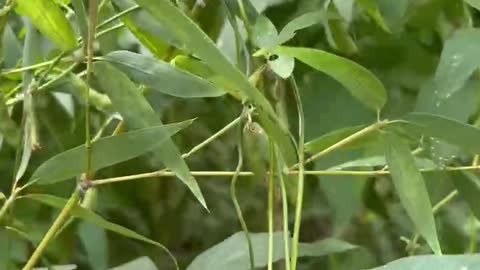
89 216
232 253
137 113
47 16
105 152
345 8
303 21
459 59
454 132
411 189
282 66
430 262
361 83
161 76
473 3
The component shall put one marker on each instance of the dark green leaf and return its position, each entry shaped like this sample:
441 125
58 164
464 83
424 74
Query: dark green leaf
93 218
81 17
454 132
474 3
468 184
361 83
202 46
143 263
161 76
232 253
411 189
430 262
338 35
301 22
371 7
138 113
47 16
105 152
8 128
94 240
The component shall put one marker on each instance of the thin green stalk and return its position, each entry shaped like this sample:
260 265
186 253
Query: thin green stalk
213 137
271 192
301 169
233 194
62 217
245 19
92 13
27 68
118 15
349 139
286 236
8 203
412 245
473 235
110 29
165 173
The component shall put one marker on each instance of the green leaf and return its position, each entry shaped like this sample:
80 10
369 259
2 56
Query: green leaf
411 189
138 113
232 253
345 8
371 7
303 21
282 66
323 142
454 132
8 128
161 76
81 17
146 29
47 16
361 83
337 34
474 3
58 267
265 34
202 46
427 262
90 216
94 241
143 263
468 185
459 59
105 152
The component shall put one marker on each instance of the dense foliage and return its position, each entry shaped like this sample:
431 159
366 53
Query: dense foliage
239 134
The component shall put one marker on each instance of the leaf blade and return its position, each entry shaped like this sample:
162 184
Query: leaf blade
411 189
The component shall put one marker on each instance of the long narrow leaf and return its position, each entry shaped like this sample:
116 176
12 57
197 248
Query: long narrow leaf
137 113
105 152
411 189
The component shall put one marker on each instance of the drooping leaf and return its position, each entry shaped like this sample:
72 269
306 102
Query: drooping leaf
81 17
361 83
232 253
8 128
90 216
94 241
138 113
161 76
449 130
411 189
197 42
143 263
468 185
303 21
423 262
282 66
105 152
47 16
11 48
338 35
459 59
473 3
144 27
345 8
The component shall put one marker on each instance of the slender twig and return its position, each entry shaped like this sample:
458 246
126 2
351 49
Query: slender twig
110 29
286 235
347 140
26 68
271 192
62 217
165 173
301 169
233 194
118 15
